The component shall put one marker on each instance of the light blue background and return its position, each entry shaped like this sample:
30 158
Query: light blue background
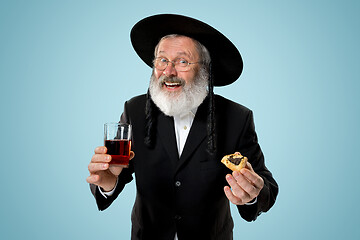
66 67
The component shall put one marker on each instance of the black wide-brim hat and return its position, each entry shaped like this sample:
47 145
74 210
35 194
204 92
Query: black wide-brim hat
226 60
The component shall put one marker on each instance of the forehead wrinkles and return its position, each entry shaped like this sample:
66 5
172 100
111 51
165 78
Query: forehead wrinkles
179 47
179 54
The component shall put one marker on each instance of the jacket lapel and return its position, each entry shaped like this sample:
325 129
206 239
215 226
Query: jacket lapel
165 129
197 134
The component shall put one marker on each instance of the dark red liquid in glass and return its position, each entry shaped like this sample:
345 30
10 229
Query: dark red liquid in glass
119 151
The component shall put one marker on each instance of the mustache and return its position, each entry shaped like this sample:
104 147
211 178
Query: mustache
177 80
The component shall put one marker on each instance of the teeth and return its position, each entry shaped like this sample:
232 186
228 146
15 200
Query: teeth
172 84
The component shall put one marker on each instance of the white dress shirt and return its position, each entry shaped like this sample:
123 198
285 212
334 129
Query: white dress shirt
182 123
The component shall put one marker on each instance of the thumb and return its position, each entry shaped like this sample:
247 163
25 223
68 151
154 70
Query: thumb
132 155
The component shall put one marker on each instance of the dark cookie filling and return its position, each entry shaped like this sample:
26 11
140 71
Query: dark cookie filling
235 160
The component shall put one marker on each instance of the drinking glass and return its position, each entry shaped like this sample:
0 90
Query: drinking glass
117 138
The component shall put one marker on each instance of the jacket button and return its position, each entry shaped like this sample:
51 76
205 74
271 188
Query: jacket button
177 183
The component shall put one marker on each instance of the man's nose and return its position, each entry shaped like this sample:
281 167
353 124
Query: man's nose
170 70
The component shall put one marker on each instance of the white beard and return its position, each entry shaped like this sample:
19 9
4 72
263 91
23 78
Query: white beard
191 95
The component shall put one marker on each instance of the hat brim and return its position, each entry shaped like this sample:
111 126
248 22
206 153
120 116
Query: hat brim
226 60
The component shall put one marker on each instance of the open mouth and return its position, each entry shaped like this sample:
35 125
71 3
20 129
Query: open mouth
171 85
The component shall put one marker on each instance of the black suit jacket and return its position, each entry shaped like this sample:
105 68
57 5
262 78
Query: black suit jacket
185 194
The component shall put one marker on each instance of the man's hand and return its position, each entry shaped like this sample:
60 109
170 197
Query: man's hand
245 185
101 172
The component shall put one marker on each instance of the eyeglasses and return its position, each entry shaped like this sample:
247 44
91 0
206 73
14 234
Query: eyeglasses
180 64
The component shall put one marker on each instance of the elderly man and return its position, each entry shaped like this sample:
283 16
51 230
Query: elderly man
181 130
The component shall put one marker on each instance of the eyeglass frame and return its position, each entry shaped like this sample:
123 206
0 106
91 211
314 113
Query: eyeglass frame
174 65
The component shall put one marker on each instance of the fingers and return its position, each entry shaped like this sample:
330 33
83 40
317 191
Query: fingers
92 179
95 167
252 177
245 186
101 172
100 150
236 194
106 182
101 158
232 198
99 162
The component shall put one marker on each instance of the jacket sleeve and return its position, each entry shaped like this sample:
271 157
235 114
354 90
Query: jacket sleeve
124 178
249 147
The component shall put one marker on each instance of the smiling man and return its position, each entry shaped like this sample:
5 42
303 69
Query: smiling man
181 131
178 85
